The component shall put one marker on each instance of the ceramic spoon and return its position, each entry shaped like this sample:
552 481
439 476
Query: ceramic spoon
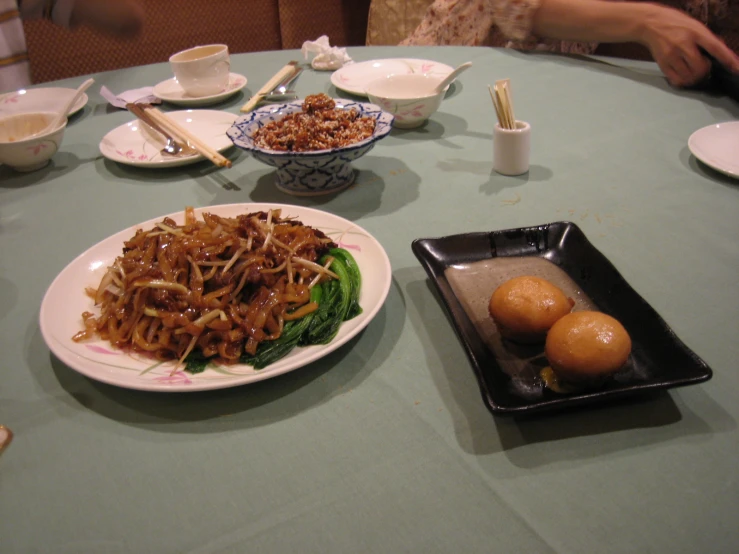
453 75
62 115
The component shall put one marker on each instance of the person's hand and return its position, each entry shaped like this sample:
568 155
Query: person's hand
675 39
119 18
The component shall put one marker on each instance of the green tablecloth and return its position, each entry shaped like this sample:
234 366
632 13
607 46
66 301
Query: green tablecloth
385 445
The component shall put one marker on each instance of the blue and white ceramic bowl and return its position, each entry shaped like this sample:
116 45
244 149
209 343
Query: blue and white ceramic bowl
315 172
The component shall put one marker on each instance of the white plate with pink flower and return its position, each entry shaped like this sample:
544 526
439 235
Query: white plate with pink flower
355 77
65 301
136 144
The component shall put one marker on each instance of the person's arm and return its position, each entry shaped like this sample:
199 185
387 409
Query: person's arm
122 18
672 37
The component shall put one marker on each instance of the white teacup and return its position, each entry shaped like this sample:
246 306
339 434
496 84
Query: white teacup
203 70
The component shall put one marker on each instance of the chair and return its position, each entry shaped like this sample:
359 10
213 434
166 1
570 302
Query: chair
245 26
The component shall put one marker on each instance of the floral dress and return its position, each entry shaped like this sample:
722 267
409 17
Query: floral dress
509 22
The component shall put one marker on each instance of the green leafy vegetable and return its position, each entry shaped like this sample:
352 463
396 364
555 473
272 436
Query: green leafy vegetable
338 301
355 280
328 316
196 362
272 350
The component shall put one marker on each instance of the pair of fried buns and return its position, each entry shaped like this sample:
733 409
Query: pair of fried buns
580 346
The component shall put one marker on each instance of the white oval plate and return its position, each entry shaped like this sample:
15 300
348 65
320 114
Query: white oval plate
136 144
40 100
65 300
717 146
171 91
355 77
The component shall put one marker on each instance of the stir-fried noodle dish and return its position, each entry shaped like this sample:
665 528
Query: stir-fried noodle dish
245 289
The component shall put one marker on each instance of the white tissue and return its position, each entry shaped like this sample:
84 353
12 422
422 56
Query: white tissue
327 57
143 95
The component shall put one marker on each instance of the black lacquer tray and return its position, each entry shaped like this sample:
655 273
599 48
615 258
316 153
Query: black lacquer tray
467 268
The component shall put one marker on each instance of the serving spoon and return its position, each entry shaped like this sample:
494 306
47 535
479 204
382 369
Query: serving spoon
453 75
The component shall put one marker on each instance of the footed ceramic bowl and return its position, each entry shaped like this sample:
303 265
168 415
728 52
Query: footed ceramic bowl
315 172
22 153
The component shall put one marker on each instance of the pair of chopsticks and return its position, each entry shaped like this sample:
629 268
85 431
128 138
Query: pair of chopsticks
181 134
503 103
282 77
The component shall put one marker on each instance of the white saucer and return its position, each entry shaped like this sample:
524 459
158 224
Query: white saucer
355 77
40 100
171 91
136 144
717 146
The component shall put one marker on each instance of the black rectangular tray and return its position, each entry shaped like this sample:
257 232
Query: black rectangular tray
659 359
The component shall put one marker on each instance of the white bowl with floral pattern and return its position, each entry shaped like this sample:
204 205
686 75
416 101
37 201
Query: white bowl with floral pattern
26 142
411 98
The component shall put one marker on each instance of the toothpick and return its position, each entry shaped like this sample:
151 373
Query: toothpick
496 106
505 85
504 108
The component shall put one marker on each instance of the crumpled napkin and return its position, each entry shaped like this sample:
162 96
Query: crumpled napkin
144 95
327 57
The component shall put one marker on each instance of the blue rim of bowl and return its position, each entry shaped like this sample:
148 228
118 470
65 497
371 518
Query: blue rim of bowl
238 131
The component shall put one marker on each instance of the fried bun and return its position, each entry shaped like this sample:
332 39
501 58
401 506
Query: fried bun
587 347
524 308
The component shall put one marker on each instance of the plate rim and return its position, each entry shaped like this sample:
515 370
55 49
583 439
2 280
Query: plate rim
72 360
335 75
461 323
700 154
81 101
174 162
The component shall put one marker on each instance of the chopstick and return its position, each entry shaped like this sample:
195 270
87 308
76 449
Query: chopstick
179 132
284 74
503 103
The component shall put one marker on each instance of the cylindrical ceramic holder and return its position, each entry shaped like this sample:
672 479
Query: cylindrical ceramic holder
511 149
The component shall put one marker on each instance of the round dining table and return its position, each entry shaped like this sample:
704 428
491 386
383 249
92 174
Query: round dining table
389 443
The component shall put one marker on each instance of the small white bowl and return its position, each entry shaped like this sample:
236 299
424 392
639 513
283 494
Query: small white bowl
28 154
410 98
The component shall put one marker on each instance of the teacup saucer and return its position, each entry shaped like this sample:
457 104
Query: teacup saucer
171 91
